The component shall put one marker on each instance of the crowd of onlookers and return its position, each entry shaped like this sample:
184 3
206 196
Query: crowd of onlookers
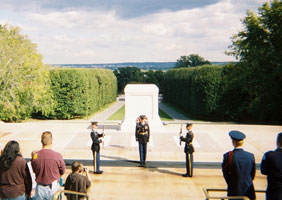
41 177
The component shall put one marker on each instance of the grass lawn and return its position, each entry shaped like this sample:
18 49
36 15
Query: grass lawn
118 115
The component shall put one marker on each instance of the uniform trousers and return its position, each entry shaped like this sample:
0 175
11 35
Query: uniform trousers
189 164
96 161
142 152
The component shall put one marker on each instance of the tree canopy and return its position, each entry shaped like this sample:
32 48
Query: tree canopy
24 80
258 47
192 60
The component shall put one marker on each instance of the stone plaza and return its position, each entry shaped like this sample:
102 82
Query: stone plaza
161 179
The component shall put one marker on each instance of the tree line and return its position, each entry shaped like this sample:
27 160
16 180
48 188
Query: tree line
247 90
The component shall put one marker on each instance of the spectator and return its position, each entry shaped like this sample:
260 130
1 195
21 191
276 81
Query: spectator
48 167
32 194
78 181
15 180
271 165
239 168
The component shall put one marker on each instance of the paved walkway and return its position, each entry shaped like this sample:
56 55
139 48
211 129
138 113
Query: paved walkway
122 178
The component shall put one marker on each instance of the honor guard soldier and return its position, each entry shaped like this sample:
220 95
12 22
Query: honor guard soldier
271 166
188 149
239 168
142 135
96 140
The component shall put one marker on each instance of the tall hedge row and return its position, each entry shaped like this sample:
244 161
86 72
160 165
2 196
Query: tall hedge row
221 93
195 90
81 92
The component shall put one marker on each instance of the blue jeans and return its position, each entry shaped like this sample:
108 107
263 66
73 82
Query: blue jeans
45 192
22 197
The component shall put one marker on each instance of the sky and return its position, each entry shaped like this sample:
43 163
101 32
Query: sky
115 31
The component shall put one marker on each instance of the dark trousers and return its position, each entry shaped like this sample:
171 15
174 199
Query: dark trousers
189 164
142 152
96 161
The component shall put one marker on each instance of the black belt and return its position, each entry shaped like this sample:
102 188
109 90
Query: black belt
45 185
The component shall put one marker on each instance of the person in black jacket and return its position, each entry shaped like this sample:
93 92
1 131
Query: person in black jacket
142 135
271 165
96 140
188 150
239 168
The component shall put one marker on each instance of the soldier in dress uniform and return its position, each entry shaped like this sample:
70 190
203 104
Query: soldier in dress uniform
188 150
271 166
96 140
239 168
142 135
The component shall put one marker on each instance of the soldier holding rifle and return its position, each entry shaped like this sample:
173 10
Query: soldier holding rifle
188 149
96 140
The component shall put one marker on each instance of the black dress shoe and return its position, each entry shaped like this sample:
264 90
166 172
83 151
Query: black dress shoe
185 175
100 172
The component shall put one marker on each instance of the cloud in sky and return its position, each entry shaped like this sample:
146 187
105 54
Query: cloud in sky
127 31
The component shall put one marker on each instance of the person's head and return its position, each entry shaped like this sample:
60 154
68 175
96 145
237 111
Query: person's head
76 167
10 153
237 138
189 126
94 125
142 118
279 140
46 138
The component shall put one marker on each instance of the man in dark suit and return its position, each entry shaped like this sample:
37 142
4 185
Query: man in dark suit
142 135
271 165
238 168
96 140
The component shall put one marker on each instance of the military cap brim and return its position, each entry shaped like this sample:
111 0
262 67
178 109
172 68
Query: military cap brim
237 135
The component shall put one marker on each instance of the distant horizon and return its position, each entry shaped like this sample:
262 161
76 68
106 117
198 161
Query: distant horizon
129 62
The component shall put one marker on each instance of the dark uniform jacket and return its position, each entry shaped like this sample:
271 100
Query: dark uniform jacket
189 148
140 130
241 175
271 165
95 140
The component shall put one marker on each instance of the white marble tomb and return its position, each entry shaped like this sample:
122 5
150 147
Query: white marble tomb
141 99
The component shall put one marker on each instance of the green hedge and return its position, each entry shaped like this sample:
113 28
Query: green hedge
223 93
195 90
81 92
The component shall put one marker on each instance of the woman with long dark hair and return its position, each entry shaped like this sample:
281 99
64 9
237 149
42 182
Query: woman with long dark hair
15 179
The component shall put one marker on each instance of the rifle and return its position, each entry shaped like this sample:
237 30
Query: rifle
180 134
103 135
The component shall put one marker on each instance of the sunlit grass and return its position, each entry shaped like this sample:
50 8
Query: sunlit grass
118 115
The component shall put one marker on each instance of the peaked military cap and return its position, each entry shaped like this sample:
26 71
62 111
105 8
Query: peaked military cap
94 123
237 135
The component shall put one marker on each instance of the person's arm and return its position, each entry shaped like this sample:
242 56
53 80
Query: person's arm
264 165
136 132
148 133
253 169
27 180
62 165
225 168
89 181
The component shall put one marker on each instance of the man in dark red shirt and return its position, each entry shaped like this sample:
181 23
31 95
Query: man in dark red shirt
48 167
